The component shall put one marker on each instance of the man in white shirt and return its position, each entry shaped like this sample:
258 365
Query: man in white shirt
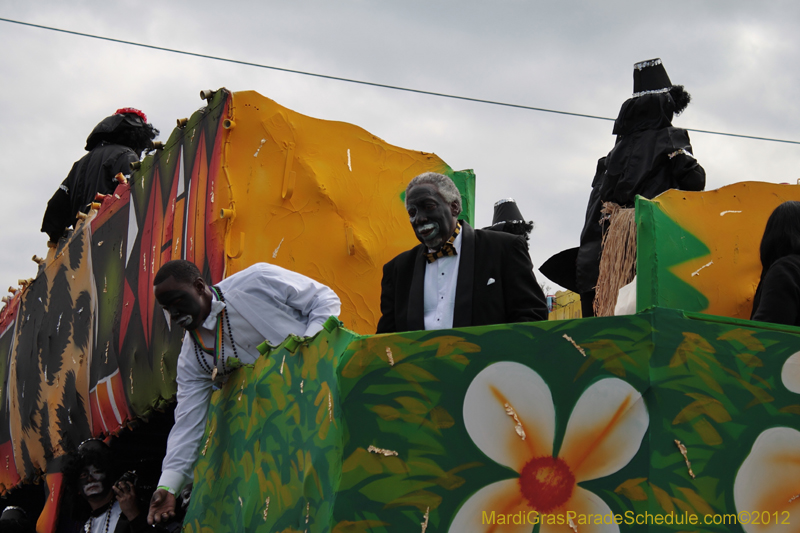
457 276
261 302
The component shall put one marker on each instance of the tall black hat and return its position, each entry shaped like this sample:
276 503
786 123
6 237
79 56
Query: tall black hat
650 77
506 210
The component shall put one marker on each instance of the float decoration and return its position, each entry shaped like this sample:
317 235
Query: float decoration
662 412
85 350
699 251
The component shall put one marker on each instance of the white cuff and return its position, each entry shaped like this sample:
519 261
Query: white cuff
173 480
313 328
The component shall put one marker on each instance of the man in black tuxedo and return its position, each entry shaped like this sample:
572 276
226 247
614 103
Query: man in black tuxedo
458 276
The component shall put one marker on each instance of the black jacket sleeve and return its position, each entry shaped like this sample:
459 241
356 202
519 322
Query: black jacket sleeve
113 166
386 324
779 300
58 214
587 262
688 172
524 299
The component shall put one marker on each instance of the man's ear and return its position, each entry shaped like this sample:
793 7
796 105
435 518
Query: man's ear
199 285
454 209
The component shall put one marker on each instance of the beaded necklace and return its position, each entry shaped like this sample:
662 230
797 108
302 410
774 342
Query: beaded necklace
88 527
217 353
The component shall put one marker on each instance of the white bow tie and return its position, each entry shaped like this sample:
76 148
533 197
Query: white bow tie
211 320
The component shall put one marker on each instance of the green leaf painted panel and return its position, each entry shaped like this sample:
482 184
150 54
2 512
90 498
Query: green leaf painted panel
646 415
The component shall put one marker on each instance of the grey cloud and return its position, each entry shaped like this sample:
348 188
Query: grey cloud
736 58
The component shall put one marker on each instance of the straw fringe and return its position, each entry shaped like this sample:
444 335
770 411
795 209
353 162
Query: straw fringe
618 259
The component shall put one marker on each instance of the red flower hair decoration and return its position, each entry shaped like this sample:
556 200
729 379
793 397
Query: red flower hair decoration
133 110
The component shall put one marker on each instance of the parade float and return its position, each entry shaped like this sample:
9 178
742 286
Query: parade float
684 409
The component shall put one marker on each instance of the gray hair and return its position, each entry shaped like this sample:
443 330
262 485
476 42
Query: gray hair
447 189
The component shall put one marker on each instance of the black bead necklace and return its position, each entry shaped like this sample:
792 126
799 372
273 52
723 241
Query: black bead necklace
218 354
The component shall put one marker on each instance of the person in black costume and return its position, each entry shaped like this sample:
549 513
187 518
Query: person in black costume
115 143
777 298
112 498
650 156
15 520
508 218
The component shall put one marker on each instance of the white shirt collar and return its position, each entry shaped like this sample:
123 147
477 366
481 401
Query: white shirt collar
210 322
457 242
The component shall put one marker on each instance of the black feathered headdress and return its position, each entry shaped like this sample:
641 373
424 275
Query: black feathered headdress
126 118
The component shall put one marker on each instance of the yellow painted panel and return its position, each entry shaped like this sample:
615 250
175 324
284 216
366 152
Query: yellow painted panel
318 197
730 221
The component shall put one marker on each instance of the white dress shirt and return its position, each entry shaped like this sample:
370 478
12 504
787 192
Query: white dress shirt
263 302
441 278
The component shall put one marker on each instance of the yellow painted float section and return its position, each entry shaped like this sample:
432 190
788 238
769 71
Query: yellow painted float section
730 221
318 197
567 306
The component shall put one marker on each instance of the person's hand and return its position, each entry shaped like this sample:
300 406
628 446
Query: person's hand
162 507
126 496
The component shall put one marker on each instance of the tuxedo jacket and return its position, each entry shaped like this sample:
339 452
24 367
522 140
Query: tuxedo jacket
496 284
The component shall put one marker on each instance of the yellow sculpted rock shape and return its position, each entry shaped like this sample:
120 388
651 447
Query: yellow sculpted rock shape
321 198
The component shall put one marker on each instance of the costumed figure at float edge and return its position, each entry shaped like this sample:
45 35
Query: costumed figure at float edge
650 156
115 143
777 297
224 325
111 497
458 276
508 218
15 520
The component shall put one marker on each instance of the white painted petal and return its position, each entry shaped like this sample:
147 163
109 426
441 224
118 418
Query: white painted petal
605 429
790 374
769 480
586 509
490 426
488 504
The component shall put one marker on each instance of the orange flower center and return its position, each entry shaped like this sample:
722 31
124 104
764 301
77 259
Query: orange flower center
547 483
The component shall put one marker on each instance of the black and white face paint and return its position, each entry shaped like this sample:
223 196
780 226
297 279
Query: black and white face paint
92 482
181 302
432 218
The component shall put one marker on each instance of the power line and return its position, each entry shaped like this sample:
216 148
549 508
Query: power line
361 82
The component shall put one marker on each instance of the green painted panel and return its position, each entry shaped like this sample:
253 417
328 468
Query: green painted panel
661 244
425 428
465 182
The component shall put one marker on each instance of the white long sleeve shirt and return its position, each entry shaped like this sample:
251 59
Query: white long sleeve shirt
106 521
263 302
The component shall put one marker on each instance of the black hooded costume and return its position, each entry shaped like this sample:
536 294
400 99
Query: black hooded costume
650 156
113 145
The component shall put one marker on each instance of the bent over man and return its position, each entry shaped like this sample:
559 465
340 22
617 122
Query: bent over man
261 302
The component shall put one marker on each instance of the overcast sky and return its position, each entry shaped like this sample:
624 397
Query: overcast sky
738 59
